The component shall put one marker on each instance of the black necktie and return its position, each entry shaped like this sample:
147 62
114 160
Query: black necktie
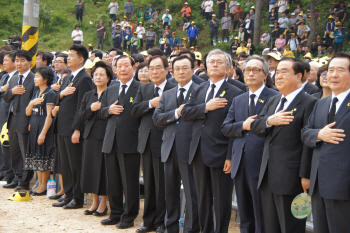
331 113
252 105
283 100
211 93
20 82
71 80
122 94
180 98
156 94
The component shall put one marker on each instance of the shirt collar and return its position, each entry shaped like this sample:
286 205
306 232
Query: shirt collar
25 74
75 73
257 92
217 84
341 97
162 85
304 84
127 84
290 97
187 86
12 73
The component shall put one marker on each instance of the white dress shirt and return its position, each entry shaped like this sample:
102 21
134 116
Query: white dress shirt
160 91
304 84
341 97
290 97
217 87
11 75
25 74
127 86
186 87
257 94
77 38
75 73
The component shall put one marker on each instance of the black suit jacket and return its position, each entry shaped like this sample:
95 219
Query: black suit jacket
285 157
206 126
330 162
311 89
122 128
197 80
22 122
141 109
67 117
4 107
237 84
91 119
177 132
245 141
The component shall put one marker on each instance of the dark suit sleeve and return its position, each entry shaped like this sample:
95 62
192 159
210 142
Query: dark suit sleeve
306 157
258 126
8 96
104 111
230 128
56 100
192 112
139 107
162 118
309 133
85 112
84 86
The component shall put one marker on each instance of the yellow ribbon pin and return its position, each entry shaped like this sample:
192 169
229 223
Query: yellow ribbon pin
348 104
131 100
261 101
293 111
222 94
42 96
71 84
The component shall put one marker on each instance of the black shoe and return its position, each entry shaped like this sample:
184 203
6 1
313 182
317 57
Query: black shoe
110 221
55 197
146 229
22 187
160 229
8 180
100 214
1 177
11 185
88 212
39 194
73 205
125 225
61 198
60 204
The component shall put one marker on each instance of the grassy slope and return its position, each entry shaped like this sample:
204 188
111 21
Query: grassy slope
57 36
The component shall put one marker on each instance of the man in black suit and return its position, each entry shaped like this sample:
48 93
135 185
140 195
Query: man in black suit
207 108
197 80
69 128
308 87
231 79
19 94
10 67
120 146
327 133
176 146
149 144
285 167
247 148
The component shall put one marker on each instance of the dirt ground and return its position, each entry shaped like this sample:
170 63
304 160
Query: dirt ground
37 215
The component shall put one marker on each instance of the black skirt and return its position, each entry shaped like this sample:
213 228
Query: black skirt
40 157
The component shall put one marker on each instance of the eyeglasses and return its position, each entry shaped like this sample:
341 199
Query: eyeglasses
218 62
255 70
143 71
184 69
323 75
57 61
158 68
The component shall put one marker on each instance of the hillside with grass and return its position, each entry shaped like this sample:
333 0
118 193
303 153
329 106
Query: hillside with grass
57 20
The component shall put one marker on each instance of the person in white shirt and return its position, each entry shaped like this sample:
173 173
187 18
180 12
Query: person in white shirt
283 21
232 6
166 18
77 35
113 10
208 9
293 42
140 31
282 6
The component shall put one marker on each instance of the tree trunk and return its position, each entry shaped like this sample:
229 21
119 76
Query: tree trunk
257 22
313 24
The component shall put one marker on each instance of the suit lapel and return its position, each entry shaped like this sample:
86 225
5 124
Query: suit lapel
76 78
344 108
189 93
245 106
223 88
325 110
202 93
129 93
173 98
264 95
28 79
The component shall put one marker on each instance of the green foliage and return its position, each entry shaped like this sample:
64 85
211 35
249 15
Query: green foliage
45 15
175 6
46 37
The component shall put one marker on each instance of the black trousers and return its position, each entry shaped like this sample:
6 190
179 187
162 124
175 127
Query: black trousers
165 24
176 170
212 182
134 49
153 176
123 172
278 217
149 44
18 147
225 34
79 14
330 216
235 23
248 200
6 168
193 42
207 15
71 160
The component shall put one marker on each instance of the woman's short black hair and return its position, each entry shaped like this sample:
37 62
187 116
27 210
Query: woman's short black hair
108 69
141 66
320 71
47 74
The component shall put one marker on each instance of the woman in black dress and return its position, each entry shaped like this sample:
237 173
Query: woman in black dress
40 150
93 173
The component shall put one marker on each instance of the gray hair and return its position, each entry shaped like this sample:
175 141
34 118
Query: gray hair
220 52
314 64
257 57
